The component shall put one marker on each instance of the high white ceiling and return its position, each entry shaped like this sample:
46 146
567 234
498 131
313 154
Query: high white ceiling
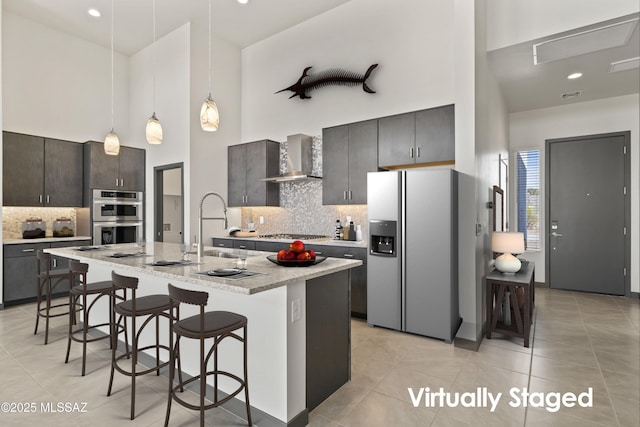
242 24
526 86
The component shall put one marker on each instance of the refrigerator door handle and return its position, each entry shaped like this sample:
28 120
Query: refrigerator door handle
403 251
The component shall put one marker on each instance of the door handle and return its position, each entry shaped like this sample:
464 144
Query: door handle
554 234
411 152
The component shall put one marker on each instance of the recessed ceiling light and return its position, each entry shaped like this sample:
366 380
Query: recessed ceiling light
94 12
574 76
243 1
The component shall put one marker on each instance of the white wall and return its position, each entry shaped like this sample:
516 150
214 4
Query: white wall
515 21
59 86
412 40
208 150
172 72
530 129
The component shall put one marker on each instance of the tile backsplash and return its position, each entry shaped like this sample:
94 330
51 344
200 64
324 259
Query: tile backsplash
13 217
301 209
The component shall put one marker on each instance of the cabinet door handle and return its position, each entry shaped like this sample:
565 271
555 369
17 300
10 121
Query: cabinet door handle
344 195
350 194
28 250
242 247
418 151
411 152
318 252
55 263
40 198
348 255
48 199
221 245
121 182
116 182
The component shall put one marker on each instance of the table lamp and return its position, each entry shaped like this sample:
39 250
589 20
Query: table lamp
507 244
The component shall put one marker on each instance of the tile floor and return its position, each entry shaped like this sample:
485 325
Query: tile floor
578 341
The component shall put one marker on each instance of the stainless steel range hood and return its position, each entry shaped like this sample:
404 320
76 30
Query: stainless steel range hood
299 161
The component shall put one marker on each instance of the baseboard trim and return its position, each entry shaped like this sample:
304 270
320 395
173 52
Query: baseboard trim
468 344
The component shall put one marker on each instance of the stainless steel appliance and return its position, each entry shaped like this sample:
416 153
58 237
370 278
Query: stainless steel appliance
111 232
412 266
109 205
117 216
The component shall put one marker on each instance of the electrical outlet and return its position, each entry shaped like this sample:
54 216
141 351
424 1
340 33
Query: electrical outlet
261 219
295 310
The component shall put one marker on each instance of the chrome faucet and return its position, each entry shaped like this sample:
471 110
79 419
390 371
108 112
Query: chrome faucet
201 218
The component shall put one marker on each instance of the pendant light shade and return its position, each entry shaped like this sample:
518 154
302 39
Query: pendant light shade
112 144
154 130
209 117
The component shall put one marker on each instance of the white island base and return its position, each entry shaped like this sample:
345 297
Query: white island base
291 312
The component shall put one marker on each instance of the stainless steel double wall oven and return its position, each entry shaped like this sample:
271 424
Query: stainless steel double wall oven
117 216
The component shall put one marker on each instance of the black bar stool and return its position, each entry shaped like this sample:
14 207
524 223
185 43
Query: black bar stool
152 306
81 289
48 281
213 324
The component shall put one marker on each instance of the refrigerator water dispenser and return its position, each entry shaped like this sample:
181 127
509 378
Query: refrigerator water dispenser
382 241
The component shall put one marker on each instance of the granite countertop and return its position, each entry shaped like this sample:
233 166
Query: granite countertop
272 275
44 240
327 242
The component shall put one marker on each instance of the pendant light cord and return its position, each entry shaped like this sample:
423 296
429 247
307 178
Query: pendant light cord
153 57
112 84
209 69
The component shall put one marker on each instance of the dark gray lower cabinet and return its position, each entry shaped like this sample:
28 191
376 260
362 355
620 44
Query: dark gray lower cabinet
328 336
20 269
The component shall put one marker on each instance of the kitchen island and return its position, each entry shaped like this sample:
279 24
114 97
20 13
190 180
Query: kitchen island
298 320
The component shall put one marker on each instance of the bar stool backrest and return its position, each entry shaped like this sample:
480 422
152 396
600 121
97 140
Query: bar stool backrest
126 283
179 295
78 272
44 263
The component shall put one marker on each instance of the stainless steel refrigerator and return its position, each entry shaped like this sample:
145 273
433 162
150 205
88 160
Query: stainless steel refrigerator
412 265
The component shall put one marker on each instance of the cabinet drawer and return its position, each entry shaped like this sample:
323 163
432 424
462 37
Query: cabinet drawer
222 243
271 246
70 243
22 250
340 252
244 244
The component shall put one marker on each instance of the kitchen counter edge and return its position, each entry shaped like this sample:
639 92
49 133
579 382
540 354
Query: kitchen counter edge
44 240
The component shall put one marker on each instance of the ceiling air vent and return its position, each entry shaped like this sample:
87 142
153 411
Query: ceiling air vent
571 95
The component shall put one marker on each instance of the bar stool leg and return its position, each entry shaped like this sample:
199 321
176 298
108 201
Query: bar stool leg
72 309
48 296
38 306
203 381
246 380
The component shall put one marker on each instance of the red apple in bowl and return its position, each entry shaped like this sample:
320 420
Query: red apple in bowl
297 246
312 254
281 254
304 256
289 256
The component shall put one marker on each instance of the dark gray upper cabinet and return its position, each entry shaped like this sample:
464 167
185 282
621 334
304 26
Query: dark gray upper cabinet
62 173
348 153
247 165
435 135
41 171
126 171
426 136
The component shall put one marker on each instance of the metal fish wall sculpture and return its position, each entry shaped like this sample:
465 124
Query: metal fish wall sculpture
340 77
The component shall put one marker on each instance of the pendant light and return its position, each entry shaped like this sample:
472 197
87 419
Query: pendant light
154 128
209 117
111 142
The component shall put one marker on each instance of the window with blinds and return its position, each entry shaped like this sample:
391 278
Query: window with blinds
528 197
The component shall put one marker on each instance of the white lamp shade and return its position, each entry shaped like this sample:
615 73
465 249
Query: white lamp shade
154 130
507 242
112 144
209 117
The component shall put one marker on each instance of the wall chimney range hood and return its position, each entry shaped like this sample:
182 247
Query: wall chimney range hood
299 161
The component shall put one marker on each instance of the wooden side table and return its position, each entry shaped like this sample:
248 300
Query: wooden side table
521 297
